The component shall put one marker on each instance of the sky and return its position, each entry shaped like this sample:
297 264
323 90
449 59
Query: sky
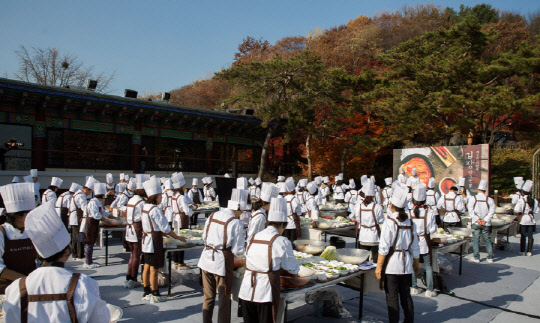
160 45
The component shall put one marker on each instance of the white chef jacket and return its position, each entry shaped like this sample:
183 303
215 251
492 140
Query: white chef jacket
190 195
254 191
36 192
64 200
515 197
159 221
293 206
110 187
92 210
389 232
179 203
523 207
301 197
48 195
121 201
481 207
244 218
431 226
257 222
324 191
12 234
133 214
78 201
338 192
351 197
313 208
387 195
410 204
432 197
55 280
450 207
363 212
235 240
257 259
209 194
378 195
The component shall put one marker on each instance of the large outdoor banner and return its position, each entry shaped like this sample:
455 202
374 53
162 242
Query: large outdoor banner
447 164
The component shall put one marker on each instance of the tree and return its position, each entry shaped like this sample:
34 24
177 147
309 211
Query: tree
47 66
206 94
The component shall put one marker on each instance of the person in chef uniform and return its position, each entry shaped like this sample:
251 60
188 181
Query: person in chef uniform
339 193
267 254
410 186
154 225
518 182
399 254
325 189
378 195
453 205
258 219
76 213
481 208
525 209
387 193
402 177
208 191
431 200
369 215
182 213
51 292
281 185
17 254
93 214
112 190
133 236
312 209
15 179
50 194
351 197
294 211
37 185
223 240
123 198
64 201
424 220
302 194
254 191
415 179
194 196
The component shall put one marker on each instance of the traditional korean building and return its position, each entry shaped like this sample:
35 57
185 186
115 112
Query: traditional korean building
64 128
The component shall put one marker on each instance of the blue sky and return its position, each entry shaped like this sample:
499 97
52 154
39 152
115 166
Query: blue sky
161 45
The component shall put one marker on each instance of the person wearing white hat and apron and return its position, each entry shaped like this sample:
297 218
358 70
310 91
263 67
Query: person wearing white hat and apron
267 254
410 183
302 194
182 213
51 292
122 199
195 196
324 190
258 219
312 209
254 190
352 196
387 193
294 211
89 230
481 209
76 213
339 193
223 237
424 220
50 194
518 182
208 191
110 196
399 254
64 201
133 236
525 209
281 185
17 254
154 225
369 216
15 179
431 200
453 206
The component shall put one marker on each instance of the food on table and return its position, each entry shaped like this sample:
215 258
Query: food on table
329 253
440 231
308 264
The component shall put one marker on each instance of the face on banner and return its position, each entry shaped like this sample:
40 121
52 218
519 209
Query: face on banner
446 164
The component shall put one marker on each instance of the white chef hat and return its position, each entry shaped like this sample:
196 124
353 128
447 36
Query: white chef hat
341 175
410 181
195 182
527 186
132 185
338 178
419 193
15 179
268 191
518 180
278 210
209 180
302 182
352 185
312 187
18 197
109 178
281 178
168 185
178 180
369 189
100 189
152 186
461 182
90 181
401 170
372 178
388 180
121 176
402 178
33 172
204 180
46 230
258 181
519 185
241 183
75 187
483 185
326 179
251 181
122 187
431 182
399 194
28 179
238 199
55 181
318 180
227 175
363 180
414 173
289 184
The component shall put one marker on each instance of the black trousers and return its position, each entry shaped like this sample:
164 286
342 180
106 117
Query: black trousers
526 231
257 312
397 289
77 248
290 234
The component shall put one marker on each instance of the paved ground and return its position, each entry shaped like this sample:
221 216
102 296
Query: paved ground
507 290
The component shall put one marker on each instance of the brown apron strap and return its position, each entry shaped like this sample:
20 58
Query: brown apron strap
70 298
377 226
270 264
24 299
